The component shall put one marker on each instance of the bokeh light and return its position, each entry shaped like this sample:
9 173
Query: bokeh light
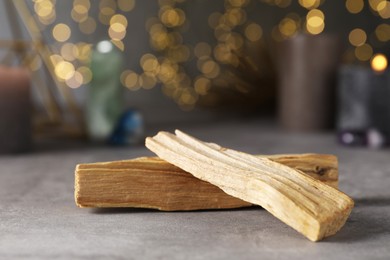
130 80
69 51
310 4
126 5
253 32
88 26
61 32
357 37
382 32
364 52
315 23
384 9
288 27
379 62
354 6
64 70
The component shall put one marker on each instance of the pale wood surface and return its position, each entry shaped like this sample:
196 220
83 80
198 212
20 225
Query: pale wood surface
150 182
309 206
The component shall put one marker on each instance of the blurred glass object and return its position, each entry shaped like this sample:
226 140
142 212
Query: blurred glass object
105 99
129 130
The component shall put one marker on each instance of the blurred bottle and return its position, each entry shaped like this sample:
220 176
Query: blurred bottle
105 98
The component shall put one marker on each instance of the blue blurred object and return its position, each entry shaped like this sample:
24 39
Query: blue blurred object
129 129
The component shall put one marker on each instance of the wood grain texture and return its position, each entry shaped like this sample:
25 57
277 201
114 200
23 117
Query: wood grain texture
311 207
150 182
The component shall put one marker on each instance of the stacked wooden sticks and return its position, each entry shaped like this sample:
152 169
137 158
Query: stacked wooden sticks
300 190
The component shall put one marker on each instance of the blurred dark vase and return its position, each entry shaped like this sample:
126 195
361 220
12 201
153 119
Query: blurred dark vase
15 110
307 68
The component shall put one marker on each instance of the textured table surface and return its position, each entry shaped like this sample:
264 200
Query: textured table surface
39 219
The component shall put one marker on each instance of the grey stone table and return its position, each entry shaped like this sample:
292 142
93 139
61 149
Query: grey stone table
39 219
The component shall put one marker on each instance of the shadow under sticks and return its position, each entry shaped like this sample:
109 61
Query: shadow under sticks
370 219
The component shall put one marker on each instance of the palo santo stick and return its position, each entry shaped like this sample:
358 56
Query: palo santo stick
309 206
154 183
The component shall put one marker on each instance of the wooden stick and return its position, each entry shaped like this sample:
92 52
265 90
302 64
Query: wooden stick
309 206
154 183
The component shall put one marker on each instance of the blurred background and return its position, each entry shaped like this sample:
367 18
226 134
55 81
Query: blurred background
109 70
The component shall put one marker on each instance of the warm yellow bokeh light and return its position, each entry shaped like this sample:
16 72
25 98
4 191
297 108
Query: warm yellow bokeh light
119 19
107 3
68 51
179 53
77 17
234 17
288 27
379 62
43 8
151 65
75 81
382 32
210 69
86 73
84 51
315 23
202 85
315 13
384 9
214 19
374 4
119 44
55 59
132 81
354 6
253 32
283 3
187 98
61 32
85 3
80 9
364 52
126 5
117 31
357 37
88 26
47 20
310 4
118 27
172 17
147 81
222 53
64 70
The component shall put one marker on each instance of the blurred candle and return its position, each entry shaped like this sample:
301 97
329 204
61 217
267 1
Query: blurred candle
307 68
15 110
354 98
104 105
363 103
